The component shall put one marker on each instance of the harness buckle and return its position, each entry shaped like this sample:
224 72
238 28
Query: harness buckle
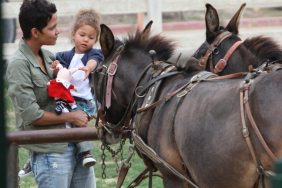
220 65
112 69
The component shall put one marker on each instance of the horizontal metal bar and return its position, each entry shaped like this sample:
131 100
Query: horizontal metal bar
52 136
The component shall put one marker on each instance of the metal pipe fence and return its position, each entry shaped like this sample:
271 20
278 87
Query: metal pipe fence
17 138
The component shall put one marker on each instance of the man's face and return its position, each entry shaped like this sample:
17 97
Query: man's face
49 34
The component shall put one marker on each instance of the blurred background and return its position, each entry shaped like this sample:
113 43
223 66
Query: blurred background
181 20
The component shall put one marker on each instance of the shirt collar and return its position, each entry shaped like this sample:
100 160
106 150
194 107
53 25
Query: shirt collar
28 53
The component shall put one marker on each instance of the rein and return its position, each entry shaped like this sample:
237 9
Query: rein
151 154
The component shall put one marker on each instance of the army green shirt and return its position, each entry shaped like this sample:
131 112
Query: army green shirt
27 87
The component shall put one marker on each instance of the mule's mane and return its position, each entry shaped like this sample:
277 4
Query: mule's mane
264 48
164 47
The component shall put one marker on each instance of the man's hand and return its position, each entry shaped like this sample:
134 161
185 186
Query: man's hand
55 66
79 118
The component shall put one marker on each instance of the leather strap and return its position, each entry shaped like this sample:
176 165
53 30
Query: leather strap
221 64
221 37
139 178
229 76
111 72
245 108
257 131
245 130
122 174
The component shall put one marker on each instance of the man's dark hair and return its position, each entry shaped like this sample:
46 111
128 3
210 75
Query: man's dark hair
35 14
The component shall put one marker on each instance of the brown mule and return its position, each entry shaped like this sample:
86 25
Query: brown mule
198 132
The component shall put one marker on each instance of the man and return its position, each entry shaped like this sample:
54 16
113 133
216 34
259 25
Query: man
28 72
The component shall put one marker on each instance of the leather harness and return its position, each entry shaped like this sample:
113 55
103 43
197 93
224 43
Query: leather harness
221 64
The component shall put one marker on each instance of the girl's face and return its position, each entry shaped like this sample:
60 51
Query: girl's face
49 34
84 38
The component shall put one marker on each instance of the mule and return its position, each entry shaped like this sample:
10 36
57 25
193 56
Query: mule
224 52
198 130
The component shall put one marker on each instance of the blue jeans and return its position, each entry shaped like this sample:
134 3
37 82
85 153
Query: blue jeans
55 170
88 106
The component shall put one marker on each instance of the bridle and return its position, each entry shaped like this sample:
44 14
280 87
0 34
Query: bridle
124 126
107 74
212 48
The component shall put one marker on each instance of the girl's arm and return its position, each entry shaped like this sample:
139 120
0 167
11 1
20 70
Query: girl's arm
89 67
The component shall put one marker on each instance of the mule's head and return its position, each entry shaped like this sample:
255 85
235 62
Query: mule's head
222 51
110 48
115 79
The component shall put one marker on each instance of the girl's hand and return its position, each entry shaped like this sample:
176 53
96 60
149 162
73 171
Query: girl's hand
87 71
90 66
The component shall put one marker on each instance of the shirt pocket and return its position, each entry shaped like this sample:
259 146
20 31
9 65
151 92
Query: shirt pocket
40 91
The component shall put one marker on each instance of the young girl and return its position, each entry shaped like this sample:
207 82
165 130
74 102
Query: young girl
85 34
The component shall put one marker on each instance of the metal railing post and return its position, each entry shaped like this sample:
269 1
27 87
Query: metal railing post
12 166
3 141
155 13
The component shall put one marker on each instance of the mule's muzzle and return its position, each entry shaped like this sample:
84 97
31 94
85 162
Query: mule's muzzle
107 136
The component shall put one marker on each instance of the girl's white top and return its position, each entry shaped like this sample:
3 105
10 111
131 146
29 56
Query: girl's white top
82 87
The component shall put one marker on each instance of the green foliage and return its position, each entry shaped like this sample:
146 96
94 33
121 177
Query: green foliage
9 113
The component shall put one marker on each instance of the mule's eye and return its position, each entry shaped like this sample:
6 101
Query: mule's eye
215 51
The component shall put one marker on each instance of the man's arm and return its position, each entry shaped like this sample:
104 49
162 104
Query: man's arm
79 118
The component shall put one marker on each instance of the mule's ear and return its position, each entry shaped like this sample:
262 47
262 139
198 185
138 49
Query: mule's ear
107 40
233 24
147 30
212 20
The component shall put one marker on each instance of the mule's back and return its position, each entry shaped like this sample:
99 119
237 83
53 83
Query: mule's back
208 131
